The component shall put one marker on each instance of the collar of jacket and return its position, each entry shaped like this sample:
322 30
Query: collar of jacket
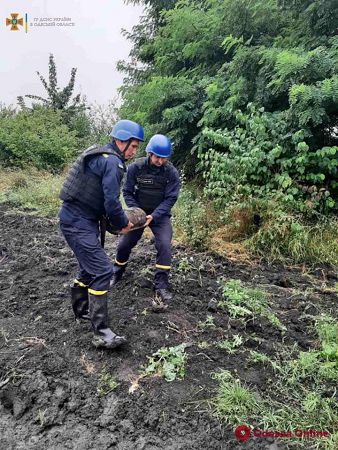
154 168
118 151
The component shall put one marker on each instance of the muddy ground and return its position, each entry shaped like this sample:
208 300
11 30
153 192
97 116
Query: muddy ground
49 371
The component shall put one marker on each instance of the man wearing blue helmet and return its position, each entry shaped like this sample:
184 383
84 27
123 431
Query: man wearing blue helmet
92 190
152 183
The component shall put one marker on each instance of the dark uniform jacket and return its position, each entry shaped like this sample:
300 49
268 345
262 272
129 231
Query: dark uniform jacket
92 188
154 189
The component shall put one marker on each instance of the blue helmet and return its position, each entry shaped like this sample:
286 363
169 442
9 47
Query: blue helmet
126 129
159 145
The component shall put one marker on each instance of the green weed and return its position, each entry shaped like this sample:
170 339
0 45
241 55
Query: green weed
186 264
246 302
231 345
207 324
257 357
168 363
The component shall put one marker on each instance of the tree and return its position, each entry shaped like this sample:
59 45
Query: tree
58 98
218 75
155 7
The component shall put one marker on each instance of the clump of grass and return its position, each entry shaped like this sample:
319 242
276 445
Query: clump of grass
234 403
257 357
106 383
314 366
167 362
241 301
284 236
319 365
327 330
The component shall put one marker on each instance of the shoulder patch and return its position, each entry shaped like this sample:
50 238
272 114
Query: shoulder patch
121 166
105 155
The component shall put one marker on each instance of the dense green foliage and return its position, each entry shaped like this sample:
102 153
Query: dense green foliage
247 90
38 138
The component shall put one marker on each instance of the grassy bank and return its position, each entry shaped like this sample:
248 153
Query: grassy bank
263 229
31 189
240 232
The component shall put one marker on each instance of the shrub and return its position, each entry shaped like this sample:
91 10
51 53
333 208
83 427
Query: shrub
168 362
263 156
36 138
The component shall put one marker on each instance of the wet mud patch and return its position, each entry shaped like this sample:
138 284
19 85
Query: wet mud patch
49 372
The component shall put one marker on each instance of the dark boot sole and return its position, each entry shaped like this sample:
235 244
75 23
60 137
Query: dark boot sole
99 343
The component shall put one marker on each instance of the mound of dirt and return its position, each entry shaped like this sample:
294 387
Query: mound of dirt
49 372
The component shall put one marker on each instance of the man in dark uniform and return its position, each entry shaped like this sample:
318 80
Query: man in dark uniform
90 191
152 183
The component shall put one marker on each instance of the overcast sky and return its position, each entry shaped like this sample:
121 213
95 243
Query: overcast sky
93 44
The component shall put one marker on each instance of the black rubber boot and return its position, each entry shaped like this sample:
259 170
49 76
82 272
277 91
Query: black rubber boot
164 295
79 297
103 335
118 272
162 300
